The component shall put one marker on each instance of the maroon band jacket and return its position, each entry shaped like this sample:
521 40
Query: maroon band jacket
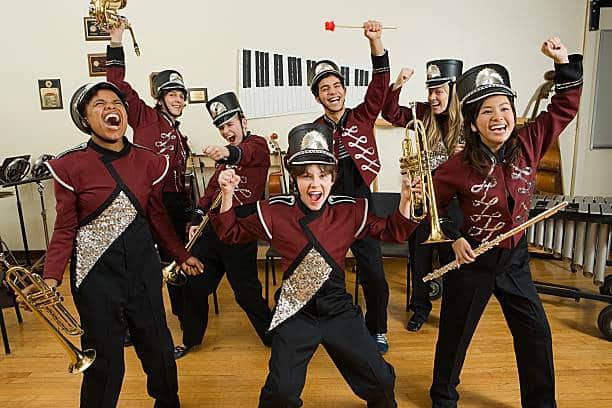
313 246
152 128
355 131
485 201
93 184
251 159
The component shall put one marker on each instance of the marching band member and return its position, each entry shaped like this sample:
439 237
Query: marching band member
109 210
441 117
359 164
158 129
250 154
493 179
313 231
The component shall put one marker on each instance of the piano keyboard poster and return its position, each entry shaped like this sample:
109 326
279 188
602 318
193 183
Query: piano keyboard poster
273 84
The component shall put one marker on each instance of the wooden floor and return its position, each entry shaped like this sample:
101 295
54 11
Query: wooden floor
229 369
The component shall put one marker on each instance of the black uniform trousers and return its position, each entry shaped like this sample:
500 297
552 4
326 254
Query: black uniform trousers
125 286
504 273
239 261
179 209
422 257
366 251
348 343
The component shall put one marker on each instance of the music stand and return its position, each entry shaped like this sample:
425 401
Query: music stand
20 211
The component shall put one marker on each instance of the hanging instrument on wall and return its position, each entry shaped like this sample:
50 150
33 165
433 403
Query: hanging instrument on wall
105 13
172 273
415 162
46 303
485 246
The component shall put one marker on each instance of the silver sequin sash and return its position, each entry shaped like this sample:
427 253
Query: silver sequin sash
301 286
96 237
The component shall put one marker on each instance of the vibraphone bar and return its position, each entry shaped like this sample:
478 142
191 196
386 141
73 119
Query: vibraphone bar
580 232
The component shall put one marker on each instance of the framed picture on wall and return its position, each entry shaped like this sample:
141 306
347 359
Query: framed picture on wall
197 95
50 93
96 64
93 32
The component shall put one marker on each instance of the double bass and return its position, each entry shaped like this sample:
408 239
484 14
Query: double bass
548 177
277 181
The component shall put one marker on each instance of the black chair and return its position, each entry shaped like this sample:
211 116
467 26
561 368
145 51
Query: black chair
383 204
7 299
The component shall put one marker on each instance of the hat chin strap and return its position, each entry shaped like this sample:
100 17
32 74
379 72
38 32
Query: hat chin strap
167 110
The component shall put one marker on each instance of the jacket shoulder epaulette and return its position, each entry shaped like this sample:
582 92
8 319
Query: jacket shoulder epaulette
337 199
287 199
82 146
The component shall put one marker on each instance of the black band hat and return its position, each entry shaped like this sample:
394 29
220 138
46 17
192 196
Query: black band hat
168 80
223 107
82 96
322 69
442 71
310 143
483 81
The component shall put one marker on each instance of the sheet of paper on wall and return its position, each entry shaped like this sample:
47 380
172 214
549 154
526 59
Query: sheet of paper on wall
273 84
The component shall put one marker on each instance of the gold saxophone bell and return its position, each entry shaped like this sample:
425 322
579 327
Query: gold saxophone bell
105 13
172 273
415 163
46 303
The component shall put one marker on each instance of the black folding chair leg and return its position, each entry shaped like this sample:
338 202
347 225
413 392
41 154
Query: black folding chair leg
356 296
216 302
7 348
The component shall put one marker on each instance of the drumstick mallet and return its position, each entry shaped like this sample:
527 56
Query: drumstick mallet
331 26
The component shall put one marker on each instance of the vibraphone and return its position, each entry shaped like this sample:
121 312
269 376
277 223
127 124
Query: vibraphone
580 233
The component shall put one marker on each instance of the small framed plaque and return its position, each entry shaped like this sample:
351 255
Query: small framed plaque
96 64
197 95
50 92
93 32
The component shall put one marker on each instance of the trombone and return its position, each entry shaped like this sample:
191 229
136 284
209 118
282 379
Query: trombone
415 162
105 14
46 303
172 273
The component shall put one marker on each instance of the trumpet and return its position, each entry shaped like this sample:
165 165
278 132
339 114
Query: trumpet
105 13
46 303
172 273
415 162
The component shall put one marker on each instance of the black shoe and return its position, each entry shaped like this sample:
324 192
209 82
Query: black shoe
180 351
127 340
415 323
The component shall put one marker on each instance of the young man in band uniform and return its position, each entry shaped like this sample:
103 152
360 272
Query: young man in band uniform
312 230
109 210
359 164
250 154
158 128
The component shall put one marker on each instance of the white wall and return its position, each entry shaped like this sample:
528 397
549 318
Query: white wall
201 39
593 167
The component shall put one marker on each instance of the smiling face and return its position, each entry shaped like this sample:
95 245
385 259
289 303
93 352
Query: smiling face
495 121
332 94
314 185
438 99
233 130
173 102
106 117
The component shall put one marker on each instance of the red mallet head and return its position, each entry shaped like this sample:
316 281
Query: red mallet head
330 25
